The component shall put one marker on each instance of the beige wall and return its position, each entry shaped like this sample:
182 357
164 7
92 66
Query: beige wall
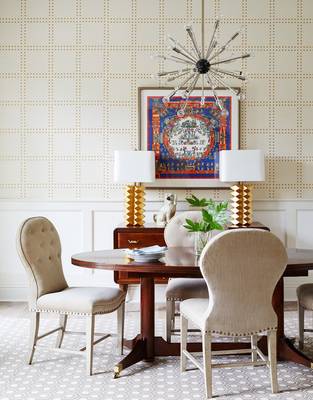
69 73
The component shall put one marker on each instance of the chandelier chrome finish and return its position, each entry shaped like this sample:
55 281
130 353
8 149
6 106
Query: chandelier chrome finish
206 65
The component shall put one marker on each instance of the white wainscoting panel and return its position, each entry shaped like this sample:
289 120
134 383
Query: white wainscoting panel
86 226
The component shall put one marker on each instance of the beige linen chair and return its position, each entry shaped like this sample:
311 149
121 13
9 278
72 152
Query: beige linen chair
305 302
179 289
241 269
39 248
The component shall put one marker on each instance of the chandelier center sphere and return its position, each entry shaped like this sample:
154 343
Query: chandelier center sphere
203 66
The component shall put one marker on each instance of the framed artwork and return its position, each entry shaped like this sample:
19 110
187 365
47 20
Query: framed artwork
187 146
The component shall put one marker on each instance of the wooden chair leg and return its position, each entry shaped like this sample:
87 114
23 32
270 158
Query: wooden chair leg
120 328
34 329
173 315
254 354
169 318
62 322
183 342
207 363
301 325
90 329
272 357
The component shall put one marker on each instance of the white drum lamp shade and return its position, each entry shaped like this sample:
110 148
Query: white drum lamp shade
242 166
134 166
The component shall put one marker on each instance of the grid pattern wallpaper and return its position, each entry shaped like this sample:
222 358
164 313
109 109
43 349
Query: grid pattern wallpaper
70 70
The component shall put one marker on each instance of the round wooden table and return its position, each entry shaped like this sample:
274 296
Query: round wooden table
181 262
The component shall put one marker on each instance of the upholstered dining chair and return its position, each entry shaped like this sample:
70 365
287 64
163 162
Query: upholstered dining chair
179 289
305 302
241 269
39 248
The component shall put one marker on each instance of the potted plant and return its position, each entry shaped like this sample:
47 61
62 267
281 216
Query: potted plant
214 217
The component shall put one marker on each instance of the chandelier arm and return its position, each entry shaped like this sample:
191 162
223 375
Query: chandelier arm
181 85
175 59
190 88
179 60
176 43
231 59
187 94
178 51
217 22
223 48
202 85
177 71
217 100
194 84
193 39
172 78
220 81
229 73
164 73
211 48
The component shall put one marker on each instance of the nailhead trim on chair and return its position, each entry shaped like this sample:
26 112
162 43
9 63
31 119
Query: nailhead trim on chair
76 313
236 334
174 299
242 334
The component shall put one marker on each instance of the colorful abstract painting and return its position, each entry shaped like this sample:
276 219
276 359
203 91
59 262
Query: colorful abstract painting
187 146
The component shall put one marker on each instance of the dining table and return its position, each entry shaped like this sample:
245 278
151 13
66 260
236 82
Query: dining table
181 262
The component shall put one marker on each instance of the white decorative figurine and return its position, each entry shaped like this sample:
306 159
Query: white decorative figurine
167 211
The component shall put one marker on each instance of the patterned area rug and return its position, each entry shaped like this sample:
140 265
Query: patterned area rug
56 376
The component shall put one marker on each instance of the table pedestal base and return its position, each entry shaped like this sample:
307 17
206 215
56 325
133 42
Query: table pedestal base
286 351
146 346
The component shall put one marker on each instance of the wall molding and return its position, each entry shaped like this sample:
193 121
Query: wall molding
86 226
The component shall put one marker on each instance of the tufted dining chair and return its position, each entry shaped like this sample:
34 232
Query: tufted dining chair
241 268
179 289
305 302
39 248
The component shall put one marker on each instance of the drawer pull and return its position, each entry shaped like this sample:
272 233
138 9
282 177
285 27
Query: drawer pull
133 241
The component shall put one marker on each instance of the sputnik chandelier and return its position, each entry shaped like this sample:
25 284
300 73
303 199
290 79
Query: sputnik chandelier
206 63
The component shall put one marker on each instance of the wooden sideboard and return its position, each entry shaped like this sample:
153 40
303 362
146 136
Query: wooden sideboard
148 235
136 237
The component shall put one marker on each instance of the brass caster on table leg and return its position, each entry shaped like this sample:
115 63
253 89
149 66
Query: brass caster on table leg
117 370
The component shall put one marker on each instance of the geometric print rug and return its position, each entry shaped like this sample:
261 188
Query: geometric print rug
56 376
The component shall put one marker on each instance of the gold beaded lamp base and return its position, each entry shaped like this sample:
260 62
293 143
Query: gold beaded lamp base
241 205
134 205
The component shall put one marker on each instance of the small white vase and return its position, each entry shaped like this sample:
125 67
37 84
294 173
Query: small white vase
201 239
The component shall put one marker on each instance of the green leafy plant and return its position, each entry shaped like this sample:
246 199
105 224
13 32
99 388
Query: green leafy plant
195 202
214 215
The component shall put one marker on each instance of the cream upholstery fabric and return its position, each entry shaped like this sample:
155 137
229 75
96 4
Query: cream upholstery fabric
186 288
39 248
305 295
82 300
175 234
241 268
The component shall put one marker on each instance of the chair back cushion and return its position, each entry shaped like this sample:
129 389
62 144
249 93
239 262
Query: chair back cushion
39 248
241 268
175 234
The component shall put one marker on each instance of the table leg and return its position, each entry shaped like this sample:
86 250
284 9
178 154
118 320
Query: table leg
143 345
147 315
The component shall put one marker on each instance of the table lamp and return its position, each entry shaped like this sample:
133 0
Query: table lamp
134 168
241 166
